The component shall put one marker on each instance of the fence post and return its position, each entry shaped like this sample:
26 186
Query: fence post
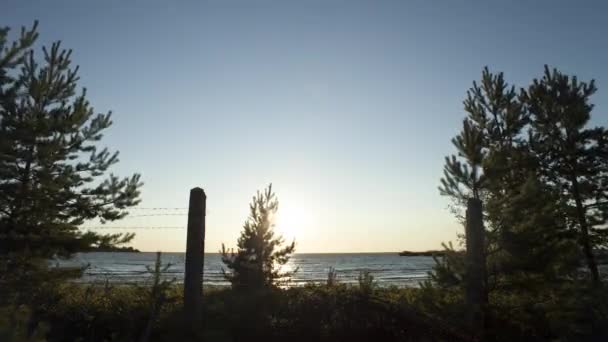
475 293
195 249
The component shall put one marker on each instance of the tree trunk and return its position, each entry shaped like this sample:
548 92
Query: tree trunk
584 238
476 295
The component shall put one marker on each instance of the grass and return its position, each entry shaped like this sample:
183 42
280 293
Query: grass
332 311
314 312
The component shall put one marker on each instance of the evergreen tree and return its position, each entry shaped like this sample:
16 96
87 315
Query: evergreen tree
465 175
462 176
449 268
496 148
51 169
260 255
573 158
532 246
523 216
464 180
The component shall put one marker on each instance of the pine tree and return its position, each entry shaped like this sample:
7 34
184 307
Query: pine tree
462 175
573 157
465 181
523 217
51 169
466 175
449 268
260 255
533 246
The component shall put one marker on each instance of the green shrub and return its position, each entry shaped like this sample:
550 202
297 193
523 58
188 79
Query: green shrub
317 312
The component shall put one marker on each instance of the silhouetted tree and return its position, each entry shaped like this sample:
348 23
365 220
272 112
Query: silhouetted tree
532 246
463 177
449 268
573 158
257 262
522 214
51 170
526 239
464 181
490 143
505 175
522 154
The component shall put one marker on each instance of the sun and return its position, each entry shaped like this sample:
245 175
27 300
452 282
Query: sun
292 221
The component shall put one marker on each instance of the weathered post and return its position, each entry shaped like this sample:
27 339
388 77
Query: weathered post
475 293
195 249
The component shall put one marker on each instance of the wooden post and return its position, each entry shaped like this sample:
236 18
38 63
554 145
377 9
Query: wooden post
195 249
475 293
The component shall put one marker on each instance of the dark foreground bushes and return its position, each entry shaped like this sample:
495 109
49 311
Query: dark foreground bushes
73 312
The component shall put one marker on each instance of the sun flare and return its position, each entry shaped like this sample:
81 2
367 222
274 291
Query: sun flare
292 221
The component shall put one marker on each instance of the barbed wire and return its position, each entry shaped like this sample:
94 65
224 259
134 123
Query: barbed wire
148 215
157 208
133 227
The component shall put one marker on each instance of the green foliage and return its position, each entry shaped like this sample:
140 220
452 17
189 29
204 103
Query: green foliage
449 269
343 313
314 313
526 216
51 167
332 277
366 282
159 294
533 244
74 312
463 180
494 122
96 313
257 262
326 313
16 325
573 158
542 178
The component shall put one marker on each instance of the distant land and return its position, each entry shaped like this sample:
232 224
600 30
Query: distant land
114 249
423 253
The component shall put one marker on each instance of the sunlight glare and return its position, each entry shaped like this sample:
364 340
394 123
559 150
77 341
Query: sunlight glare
292 221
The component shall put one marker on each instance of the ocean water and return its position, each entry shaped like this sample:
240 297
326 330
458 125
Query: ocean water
387 268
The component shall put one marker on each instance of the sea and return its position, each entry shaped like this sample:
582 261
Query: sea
388 269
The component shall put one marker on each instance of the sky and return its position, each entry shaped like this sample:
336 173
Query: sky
346 107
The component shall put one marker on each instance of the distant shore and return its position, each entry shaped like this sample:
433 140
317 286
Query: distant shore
114 249
423 253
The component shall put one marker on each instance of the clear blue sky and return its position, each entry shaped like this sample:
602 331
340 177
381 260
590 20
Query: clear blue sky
348 107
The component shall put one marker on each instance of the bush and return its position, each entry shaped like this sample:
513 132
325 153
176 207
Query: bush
317 312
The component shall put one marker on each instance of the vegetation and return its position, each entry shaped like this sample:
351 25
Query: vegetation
525 156
50 164
573 158
257 262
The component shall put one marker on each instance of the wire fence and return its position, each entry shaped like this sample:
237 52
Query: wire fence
168 212
133 227
149 215
159 208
